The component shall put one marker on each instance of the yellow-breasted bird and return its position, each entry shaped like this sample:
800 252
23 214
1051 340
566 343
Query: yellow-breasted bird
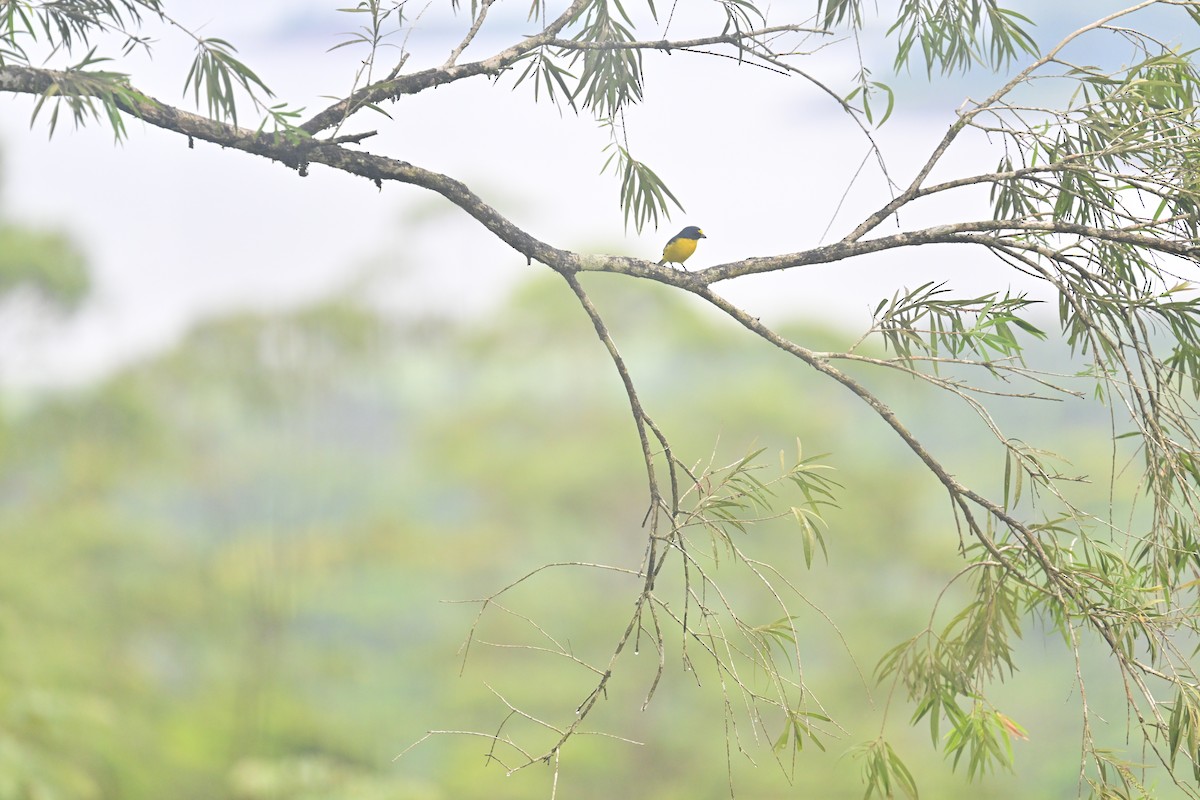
682 245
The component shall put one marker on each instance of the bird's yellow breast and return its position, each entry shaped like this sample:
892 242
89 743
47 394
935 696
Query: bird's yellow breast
678 250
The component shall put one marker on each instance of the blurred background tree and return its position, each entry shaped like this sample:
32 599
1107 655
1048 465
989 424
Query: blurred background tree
225 566
223 563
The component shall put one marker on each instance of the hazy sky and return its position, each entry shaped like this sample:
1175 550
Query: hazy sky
759 160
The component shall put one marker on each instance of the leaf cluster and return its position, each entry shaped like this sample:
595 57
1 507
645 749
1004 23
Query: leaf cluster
644 195
729 499
1124 136
929 322
214 78
66 26
1183 727
89 95
959 34
949 35
215 75
945 673
610 78
884 772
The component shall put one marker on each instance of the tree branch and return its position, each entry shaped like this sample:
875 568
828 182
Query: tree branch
475 26
399 86
298 153
982 232
735 39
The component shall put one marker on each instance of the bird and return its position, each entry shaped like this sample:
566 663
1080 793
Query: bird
682 245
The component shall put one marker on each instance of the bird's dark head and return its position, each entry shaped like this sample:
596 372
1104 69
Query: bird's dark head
692 232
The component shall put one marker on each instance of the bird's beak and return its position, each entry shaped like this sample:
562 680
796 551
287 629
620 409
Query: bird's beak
702 236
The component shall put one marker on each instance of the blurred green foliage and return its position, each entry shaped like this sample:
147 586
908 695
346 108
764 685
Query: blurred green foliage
45 264
225 569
